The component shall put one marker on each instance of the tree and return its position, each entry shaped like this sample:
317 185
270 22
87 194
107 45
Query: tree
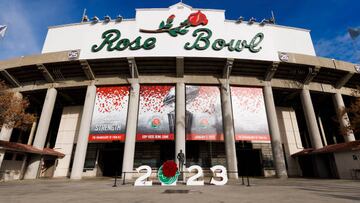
13 109
352 111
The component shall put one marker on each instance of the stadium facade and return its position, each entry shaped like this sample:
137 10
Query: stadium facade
111 95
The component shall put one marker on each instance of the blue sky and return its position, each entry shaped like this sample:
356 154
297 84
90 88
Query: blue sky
328 20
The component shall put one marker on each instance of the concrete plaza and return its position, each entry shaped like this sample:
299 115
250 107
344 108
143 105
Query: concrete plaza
101 190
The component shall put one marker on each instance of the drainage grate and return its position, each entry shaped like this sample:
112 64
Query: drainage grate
176 191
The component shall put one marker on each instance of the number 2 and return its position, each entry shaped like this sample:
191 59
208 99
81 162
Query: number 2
141 181
193 179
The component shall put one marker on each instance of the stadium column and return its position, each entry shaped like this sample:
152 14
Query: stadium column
343 118
82 141
41 132
131 126
180 120
310 118
229 133
276 145
5 135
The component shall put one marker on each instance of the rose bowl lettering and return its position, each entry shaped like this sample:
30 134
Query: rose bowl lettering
112 40
202 41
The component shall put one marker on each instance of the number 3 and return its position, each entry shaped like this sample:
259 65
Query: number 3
222 174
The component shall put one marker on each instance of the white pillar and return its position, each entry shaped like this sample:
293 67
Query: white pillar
180 143
82 142
310 118
131 125
5 135
229 134
32 133
276 145
41 133
343 119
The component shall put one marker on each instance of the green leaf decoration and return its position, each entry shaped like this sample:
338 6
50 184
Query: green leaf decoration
183 31
168 26
162 25
185 22
173 32
169 21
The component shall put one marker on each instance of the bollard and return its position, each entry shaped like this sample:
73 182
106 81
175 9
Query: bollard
124 178
248 182
115 185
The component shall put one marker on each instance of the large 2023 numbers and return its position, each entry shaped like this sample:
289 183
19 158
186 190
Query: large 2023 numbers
218 171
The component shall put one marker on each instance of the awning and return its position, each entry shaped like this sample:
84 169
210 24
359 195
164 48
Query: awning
347 146
23 148
303 152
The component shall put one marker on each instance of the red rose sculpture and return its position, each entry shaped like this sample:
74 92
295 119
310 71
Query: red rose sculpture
169 168
197 18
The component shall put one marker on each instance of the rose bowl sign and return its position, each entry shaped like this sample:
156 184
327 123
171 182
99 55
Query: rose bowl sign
178 31
203 37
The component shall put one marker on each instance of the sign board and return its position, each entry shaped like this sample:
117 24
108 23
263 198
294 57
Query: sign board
109 115
178 31
156 120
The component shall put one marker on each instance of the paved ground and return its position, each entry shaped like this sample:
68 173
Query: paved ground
101 190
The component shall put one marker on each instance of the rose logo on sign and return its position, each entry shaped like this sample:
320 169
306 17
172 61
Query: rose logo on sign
193 20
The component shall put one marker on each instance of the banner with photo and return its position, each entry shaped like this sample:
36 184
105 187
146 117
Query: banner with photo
109 115
250 121
203 113
156 119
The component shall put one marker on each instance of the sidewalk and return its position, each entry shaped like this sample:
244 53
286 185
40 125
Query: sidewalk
101 190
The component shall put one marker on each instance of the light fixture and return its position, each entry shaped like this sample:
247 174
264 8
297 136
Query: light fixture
85 18
95 19
240 19
119 18
272 20
252 20
107 18
264 21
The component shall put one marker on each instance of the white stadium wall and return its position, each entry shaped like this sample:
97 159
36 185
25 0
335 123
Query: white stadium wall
66 137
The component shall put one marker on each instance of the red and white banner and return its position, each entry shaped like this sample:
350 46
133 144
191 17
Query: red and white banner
203 113
109 115
106 137
149 137
156 119
250 121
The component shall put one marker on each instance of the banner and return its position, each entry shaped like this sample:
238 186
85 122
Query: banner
250 121
109 115
203 113
156 119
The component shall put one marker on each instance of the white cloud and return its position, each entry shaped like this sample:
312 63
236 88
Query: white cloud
27 23
20 38
341 47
